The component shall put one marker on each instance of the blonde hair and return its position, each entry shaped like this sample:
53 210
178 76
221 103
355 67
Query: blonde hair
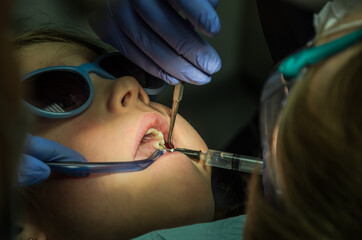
53 35
321 157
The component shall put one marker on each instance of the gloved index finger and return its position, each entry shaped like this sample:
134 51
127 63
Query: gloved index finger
185 43
150 43
214 3
32 171
48 151
201 14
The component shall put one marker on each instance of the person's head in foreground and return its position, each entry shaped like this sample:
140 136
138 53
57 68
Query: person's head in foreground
316 157
173 191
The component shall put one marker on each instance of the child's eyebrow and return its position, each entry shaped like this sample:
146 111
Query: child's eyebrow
65 60
67 55
56 59
52 62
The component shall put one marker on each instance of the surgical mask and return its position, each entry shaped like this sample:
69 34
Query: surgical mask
330 14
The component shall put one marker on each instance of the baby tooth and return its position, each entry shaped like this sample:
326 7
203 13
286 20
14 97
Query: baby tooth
157 145
159 136
151 130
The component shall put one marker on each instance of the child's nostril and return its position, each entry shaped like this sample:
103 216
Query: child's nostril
125 99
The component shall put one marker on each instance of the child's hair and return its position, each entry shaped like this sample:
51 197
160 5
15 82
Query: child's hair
51 35
319 149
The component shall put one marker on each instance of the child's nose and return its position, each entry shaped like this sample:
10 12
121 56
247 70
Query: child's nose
126 92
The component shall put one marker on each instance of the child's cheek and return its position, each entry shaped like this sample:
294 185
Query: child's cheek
186 136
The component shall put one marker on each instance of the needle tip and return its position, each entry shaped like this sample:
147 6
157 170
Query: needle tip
168 149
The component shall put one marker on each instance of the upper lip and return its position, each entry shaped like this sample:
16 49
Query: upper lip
151 120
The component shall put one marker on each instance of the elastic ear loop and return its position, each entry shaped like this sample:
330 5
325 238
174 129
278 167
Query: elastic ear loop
291 66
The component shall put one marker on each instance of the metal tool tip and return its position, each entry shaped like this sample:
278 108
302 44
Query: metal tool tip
167 149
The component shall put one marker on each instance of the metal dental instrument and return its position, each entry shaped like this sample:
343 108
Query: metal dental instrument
82 169
223 159
177 96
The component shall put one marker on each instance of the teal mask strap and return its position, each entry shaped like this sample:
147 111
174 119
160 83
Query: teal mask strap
292 65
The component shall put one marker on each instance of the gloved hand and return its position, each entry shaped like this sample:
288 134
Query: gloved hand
152 34
32 169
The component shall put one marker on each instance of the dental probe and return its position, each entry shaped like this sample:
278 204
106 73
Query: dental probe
177 96
226 160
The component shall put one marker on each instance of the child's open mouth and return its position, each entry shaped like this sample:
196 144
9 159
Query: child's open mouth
152 140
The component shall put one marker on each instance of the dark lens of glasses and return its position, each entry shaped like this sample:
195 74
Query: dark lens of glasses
119 66
56 91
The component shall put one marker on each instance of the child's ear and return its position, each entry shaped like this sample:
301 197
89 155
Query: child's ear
29 231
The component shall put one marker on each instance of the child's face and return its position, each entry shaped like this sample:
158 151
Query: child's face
172 191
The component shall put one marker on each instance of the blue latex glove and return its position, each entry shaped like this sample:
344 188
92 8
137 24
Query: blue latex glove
32 169
152 34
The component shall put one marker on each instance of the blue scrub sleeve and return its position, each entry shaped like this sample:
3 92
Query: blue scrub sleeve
226 229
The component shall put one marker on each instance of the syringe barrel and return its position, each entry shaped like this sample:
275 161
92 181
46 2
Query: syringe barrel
231 161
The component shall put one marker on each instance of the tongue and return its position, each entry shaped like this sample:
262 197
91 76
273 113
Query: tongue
145 149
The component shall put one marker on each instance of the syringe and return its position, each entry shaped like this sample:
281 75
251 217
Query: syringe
224 160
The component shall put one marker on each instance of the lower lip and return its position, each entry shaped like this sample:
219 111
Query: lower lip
176 160
173 154
166 153
173 158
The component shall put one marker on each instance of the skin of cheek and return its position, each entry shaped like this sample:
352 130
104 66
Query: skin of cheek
89 135
184 135
169 194
127 204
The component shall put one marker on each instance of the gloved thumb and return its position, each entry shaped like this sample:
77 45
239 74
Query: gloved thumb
48 151
32 171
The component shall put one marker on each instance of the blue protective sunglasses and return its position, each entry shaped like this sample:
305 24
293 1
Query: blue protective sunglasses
66 91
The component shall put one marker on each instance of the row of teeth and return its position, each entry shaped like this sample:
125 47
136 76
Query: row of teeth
158 136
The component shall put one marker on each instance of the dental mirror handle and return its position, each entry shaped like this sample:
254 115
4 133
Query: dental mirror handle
177 97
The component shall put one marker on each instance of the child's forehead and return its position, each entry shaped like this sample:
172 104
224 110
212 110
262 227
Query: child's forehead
47 54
